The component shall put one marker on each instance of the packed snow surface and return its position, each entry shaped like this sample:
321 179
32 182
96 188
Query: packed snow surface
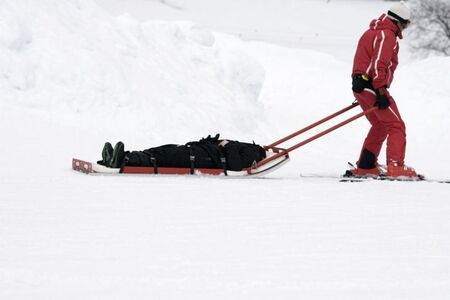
77 73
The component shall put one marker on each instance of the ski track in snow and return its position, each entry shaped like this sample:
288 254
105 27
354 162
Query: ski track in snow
73 76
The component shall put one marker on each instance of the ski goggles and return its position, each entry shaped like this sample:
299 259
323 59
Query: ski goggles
406 24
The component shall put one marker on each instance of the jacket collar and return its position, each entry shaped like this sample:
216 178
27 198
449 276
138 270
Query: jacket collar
383 23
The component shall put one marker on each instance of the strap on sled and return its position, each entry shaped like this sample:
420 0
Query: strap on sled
223 160
155 166
191 160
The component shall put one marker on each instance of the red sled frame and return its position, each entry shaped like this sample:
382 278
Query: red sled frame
276 156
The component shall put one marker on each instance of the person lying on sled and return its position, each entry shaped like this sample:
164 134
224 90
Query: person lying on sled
209 153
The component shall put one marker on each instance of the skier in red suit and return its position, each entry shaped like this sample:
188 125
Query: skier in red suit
374 65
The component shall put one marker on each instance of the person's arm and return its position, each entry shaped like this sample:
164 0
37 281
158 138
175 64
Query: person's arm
382 59
234 162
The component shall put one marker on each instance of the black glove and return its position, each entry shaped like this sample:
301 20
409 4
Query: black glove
211 139
360 82
382 100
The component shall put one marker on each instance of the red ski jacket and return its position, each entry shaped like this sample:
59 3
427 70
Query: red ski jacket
377 52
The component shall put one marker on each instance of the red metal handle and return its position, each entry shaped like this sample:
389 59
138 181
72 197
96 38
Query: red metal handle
354 104
284 152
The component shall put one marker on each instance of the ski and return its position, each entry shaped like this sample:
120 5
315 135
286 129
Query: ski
347 178
384 178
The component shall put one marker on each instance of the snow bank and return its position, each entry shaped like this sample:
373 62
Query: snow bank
71 58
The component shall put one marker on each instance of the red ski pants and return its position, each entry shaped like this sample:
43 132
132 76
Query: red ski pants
386 123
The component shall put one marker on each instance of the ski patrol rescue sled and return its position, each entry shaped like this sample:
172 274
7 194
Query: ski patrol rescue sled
254 170
275 156
207 156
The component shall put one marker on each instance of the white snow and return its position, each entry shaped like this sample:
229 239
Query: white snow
75 73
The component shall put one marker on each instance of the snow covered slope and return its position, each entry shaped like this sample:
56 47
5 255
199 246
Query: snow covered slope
327 26
73 76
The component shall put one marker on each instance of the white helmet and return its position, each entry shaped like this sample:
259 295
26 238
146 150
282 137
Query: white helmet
400 12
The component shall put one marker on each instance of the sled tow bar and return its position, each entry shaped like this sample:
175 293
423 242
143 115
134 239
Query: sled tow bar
282 152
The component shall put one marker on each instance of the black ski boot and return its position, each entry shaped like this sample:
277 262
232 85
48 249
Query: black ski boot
107 154
118 155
